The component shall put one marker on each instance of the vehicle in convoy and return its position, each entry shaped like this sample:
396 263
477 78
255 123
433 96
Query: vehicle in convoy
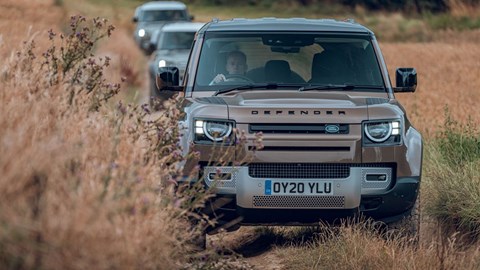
154 15
336 142
171 48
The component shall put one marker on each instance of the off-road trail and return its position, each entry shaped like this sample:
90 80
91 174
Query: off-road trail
256 249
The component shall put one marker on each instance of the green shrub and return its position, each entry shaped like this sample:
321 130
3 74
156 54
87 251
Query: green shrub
452 178
447 21
459 144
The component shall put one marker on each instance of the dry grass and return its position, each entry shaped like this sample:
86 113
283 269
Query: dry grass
464 8
82 188
22 18
128 59
447 76
71 198
360 247
77 191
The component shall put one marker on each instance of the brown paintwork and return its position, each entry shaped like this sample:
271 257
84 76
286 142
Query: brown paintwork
288 106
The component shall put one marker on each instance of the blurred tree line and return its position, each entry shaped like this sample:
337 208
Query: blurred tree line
418 6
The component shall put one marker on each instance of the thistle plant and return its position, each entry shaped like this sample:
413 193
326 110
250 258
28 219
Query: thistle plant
74 64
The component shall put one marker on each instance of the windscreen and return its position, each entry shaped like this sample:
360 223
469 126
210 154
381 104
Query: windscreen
300 59
163 15
176 40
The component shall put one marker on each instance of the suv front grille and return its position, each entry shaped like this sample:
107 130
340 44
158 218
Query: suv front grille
299 128
306 170
299 170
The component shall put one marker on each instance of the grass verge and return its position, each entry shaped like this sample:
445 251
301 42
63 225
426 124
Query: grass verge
86 181
453 178
359 246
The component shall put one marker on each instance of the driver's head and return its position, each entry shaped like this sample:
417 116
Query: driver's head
236 63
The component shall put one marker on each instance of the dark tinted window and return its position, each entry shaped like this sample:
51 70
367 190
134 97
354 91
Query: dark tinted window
163 15
176 40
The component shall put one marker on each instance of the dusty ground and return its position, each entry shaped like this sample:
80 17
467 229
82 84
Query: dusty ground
256 248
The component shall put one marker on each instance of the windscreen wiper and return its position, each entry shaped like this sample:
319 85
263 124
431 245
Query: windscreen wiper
253 86
338 86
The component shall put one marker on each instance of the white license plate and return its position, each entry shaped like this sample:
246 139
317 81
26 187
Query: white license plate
273 187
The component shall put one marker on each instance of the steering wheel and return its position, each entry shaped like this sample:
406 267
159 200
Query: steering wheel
237 78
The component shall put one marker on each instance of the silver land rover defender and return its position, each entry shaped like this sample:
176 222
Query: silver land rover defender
335 141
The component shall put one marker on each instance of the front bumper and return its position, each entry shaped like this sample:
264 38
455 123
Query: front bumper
394 204
386 200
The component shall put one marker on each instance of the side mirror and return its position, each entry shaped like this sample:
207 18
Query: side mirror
168 79
406 80
150 48
135 19
191 17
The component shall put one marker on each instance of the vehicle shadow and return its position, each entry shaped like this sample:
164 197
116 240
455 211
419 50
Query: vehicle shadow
254 241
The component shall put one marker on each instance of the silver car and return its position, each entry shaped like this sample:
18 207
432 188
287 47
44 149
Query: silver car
172 48
154 15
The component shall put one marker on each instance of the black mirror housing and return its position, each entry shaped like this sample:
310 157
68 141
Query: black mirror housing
134 19
406 80
168 78
150 48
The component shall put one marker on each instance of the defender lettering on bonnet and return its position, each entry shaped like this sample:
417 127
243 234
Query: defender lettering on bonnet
290 112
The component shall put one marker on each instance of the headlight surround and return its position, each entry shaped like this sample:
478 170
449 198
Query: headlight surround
214 130
386 132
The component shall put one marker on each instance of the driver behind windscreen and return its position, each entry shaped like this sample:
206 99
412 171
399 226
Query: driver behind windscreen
236 65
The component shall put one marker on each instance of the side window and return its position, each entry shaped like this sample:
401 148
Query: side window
205 68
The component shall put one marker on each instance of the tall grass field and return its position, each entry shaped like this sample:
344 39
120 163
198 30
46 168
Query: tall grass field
87 170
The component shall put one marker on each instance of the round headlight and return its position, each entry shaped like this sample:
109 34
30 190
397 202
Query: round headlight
141 32
215 131
378 132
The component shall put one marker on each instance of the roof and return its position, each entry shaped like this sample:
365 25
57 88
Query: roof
182 27
291 24
167 5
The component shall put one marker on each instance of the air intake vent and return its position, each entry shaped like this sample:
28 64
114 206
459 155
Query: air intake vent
300 128
308 170
302 148
299 201
299 170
